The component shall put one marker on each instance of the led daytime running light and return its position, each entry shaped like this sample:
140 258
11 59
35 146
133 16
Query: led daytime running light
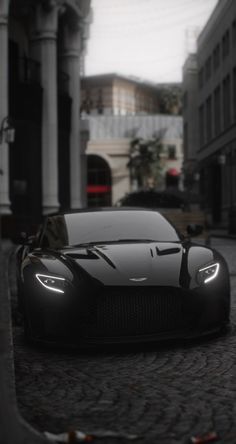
215 266
42 278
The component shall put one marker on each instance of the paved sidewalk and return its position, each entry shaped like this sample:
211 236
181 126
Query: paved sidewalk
13 429
221 233
164 394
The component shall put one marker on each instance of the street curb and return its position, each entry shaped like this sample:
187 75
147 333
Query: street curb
14 429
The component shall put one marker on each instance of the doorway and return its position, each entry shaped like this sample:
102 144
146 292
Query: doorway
98 182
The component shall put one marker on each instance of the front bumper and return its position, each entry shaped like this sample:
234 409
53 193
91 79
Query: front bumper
107 315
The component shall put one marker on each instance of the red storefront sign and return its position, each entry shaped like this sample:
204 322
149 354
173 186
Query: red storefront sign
92 189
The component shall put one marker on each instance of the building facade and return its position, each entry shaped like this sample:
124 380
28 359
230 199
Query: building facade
118 95
190 119
114 94
214 106
108 153
41 45
119 108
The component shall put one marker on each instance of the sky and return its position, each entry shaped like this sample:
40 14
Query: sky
148 39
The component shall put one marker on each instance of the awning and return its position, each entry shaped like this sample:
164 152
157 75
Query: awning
98 189
173 172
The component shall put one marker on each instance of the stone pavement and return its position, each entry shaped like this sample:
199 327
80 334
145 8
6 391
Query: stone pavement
227 247
13 429
164 393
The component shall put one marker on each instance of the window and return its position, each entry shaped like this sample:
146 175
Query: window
234 94
208 68
186 140
98 181
216 56
226 102
171 152
225 44
217 111
201 125
208 119
87 104
234 174
234 33
201 78
185 99
107 226
100 106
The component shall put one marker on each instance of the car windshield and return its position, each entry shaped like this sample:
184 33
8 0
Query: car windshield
107 226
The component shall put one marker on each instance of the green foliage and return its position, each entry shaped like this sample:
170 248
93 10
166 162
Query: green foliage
170 97
145 160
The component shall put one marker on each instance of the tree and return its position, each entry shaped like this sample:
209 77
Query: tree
170 97
145 160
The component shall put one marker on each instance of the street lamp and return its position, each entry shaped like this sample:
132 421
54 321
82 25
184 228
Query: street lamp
7 131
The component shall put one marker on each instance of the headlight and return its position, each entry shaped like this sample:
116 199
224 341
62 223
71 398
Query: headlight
52 283
208 273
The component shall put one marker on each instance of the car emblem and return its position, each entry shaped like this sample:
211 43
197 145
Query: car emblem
138 279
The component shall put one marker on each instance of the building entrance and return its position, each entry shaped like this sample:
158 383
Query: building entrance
98 182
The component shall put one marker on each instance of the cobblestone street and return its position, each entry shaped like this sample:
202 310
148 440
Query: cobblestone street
164 393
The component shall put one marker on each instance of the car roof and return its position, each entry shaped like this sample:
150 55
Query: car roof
99 209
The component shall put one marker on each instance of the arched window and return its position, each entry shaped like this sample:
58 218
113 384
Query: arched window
98 182
172 178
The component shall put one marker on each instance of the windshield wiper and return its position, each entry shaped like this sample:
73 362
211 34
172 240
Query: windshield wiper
87 244
135 240
117 241
114 241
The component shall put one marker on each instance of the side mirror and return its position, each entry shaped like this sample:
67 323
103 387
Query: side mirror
194 229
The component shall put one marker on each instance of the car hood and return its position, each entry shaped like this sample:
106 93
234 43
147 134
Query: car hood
127 263
155 263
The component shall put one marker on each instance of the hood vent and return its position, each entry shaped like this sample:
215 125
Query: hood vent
167 251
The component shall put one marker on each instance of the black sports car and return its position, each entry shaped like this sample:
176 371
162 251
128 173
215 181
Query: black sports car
119 275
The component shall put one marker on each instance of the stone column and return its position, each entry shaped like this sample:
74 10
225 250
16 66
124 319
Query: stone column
84 138
70 60
4 154
44 39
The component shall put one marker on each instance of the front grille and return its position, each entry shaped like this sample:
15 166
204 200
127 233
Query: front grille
136 311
